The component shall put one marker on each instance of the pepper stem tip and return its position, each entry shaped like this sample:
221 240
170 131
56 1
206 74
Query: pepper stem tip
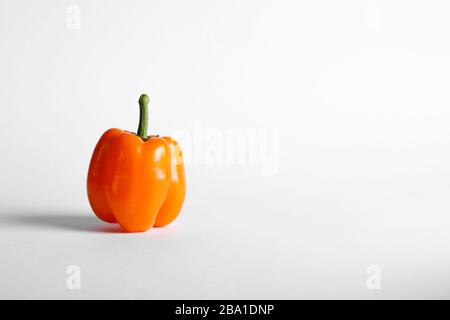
144 99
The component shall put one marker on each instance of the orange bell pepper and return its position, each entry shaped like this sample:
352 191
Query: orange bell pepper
136 180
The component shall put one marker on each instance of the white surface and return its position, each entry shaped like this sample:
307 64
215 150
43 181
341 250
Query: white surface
357 92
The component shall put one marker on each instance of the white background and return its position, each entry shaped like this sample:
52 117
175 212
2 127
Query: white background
357 91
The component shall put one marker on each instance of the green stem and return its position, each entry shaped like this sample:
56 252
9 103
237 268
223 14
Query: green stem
143 116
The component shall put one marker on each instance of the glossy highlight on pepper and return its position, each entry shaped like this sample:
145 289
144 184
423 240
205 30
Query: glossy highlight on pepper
136 180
